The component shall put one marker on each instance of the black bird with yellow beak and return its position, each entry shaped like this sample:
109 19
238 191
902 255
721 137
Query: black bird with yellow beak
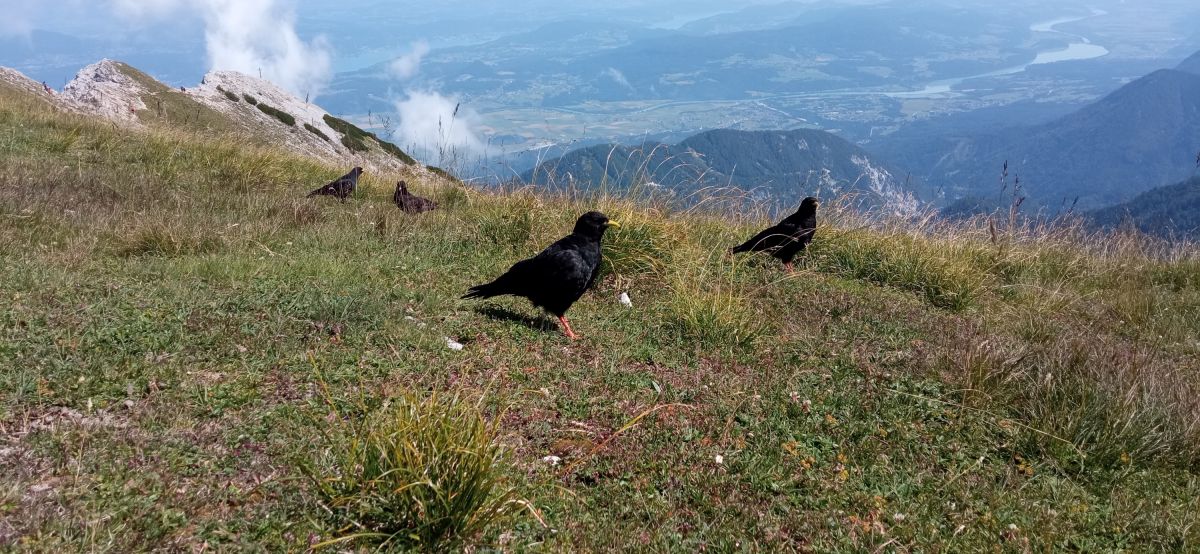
555 278
787 238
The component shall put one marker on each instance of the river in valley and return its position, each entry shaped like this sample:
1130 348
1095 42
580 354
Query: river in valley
1081 48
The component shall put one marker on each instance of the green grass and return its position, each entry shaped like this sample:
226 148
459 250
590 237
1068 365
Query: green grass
420 473
309 127
181 327
282 116
354 144
171 109
231 96
356 139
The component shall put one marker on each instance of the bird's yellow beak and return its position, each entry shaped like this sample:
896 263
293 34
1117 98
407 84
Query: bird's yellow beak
614 223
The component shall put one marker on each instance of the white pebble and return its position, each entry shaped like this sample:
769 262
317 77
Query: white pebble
719 459
453 344
625 301
552 460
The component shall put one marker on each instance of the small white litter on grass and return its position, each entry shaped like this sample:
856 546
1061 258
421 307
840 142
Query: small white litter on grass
552 460
625 301
453 344
719 459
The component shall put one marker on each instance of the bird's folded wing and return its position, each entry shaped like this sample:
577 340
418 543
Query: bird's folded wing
771 237
563 265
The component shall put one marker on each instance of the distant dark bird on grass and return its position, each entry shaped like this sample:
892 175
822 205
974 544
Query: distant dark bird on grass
787 238
409 202
554 279
342 187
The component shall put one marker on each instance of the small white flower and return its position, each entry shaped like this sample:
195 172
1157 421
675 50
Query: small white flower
719 459
625 301
453 344
552 460
898 516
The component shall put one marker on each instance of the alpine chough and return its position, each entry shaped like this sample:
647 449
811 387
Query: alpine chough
554 279
409 202
341 187
788 237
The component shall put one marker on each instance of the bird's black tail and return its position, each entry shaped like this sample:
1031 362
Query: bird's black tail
486 290
318 192
744 247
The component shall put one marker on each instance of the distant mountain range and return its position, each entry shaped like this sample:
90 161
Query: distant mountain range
1173 210
781 165
1191 65
1142 136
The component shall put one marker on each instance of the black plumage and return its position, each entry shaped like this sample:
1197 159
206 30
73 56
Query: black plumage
788 238
409 202
554 279
341 187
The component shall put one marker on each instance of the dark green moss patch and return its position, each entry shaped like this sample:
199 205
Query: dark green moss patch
394 151
316 131
233 97
441 172
281 115
354 138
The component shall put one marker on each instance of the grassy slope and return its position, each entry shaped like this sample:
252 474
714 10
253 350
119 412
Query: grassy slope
172 109
174 310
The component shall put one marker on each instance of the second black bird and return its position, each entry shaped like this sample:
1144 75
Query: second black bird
341 187
554 279
409 202
787 238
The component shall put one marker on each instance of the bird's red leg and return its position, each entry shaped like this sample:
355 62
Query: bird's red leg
789 267
567 327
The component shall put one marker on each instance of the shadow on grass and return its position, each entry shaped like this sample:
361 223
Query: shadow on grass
537 323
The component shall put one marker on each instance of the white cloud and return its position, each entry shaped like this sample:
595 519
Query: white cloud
406 66
18 18
435 127
438 125
251 36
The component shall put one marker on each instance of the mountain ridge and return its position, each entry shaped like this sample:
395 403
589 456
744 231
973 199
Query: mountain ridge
224 102
779 165
1141 136
1191 64
1170 211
